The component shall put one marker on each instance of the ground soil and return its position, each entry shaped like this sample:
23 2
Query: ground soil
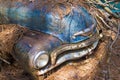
109 69
102 65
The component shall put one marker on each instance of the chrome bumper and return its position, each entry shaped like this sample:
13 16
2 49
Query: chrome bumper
34 44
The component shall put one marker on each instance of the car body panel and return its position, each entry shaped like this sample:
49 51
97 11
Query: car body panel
76 20
61 32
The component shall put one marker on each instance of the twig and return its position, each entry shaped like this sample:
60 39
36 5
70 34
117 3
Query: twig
118 33
106 23
4 60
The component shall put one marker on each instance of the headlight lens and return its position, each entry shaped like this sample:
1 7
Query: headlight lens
41 59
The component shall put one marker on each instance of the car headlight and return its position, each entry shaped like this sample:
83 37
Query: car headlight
41 59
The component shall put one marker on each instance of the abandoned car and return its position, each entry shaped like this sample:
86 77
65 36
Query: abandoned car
58 33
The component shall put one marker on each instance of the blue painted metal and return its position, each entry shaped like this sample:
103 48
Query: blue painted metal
50 22
55 27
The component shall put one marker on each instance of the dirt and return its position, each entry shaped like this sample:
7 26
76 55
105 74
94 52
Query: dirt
9 35
101 65
13 72
109 69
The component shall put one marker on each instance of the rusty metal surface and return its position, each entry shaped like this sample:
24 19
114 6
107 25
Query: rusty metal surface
31 44
64 25
62 20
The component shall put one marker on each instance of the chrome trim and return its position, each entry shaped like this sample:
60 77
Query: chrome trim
73 46
36 57
70 56
87 31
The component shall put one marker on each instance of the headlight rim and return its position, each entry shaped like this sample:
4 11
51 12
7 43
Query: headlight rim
40 53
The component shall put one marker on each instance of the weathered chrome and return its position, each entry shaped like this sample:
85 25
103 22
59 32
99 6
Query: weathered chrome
74 46
59 33
70 56
41 59
32 49
35 45
87 31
